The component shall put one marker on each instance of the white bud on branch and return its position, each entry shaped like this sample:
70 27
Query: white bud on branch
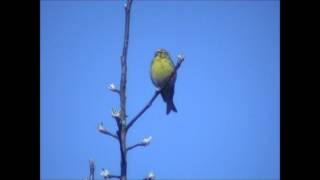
115 113
150 176
146 140
105 173
180 56
113 88
101 128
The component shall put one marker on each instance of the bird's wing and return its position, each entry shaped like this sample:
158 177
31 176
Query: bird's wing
171 62
173 80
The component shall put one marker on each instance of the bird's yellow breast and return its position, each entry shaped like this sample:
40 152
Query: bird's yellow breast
161 70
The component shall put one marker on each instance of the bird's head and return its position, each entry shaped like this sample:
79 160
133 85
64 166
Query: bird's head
162 53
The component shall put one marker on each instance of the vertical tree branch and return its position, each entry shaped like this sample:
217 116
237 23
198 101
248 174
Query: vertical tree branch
123 82
92 168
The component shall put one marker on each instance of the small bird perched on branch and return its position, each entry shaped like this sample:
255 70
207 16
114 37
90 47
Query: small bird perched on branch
161 69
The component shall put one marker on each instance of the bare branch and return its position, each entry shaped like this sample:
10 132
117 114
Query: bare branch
136 145
110 134
117 91
113 88
103 130
146 141
123 81
123 59
106 174
114 176
156 93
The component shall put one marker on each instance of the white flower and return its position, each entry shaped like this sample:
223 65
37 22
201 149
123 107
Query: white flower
151 176
101 128
115 113
105 173
147 140
112 87
180 56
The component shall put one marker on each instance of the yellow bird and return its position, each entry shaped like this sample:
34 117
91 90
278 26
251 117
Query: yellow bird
161 68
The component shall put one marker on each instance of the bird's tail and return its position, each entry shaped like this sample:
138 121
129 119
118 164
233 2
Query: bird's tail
171 106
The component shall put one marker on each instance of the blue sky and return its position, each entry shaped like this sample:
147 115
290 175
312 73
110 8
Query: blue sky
227 90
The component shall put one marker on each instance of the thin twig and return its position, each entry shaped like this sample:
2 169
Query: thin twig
180 60
114 176
116 91
156 93
136 145
109 133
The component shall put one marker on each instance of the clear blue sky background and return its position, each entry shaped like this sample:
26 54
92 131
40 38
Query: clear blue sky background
227 91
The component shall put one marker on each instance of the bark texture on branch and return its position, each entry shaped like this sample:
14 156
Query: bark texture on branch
122 124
